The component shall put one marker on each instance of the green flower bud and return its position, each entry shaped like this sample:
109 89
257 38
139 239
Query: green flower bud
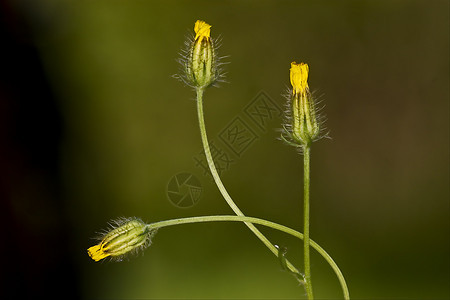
126 236
304 122
200 62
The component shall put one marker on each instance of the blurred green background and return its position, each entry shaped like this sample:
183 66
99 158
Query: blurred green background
379 194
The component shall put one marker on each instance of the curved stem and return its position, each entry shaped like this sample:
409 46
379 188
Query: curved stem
220 185
250 220
306 240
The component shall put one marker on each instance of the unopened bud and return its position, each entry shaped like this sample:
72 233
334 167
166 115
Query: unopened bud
201 63
304 122
126 236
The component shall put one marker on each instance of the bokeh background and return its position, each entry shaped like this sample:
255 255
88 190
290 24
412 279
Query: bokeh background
93 127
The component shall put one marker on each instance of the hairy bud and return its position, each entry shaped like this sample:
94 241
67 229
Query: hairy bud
199 60
126 236
304 123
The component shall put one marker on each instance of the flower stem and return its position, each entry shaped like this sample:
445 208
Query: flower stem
220 185
250 220
306 240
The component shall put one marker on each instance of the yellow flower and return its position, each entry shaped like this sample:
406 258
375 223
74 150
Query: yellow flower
202 30
128 236
304 123
299 77
201 64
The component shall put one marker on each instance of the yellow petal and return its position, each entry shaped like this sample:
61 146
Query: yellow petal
96 253
202 29
299 77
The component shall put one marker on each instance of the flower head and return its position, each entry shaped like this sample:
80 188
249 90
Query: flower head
126 236
199 60
304 123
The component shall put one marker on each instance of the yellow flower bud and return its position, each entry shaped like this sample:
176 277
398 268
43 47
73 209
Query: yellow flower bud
304 122
127 236
200 61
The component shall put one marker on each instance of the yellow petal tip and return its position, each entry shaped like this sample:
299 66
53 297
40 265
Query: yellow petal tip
96 253
299 76
202 29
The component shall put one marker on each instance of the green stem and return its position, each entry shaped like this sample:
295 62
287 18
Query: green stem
306 240
220 185
250 220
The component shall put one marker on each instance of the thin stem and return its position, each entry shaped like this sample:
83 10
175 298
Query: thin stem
250 220
220 185
306 240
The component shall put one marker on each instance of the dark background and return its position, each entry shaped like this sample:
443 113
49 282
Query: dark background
93 126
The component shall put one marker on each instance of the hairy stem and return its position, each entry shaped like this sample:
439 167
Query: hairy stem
250 220
306 240
220 185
